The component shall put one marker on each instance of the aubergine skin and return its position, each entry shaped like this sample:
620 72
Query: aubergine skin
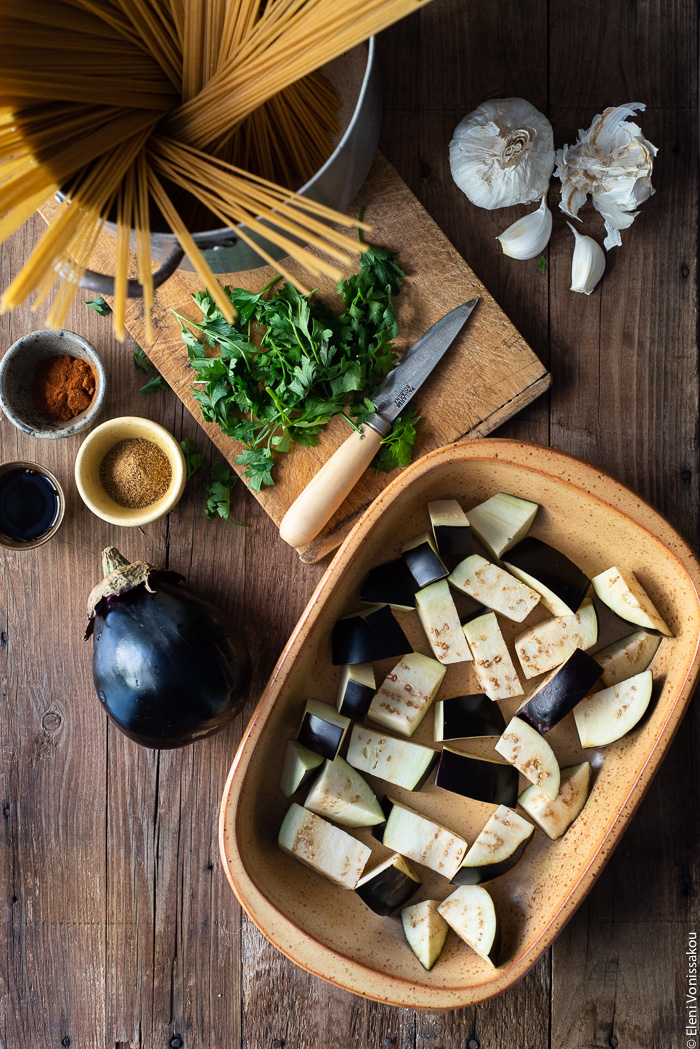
167 668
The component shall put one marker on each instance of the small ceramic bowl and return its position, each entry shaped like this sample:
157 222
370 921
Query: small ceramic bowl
53 519
96 446
18 368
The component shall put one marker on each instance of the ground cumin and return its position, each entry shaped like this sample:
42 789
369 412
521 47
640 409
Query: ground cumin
135 473
63 387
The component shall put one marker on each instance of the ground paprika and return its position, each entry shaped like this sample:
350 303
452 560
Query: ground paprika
63 387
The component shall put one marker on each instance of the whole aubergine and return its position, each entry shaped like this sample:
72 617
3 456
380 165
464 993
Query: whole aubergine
167 667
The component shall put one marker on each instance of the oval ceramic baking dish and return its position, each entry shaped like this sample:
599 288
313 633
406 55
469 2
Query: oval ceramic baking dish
597 522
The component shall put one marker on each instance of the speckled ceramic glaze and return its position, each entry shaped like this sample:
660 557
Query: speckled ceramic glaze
17 370
330 932
95 447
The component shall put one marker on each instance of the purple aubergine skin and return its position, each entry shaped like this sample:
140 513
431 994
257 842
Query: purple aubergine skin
388 890
167 668
488 781
574 680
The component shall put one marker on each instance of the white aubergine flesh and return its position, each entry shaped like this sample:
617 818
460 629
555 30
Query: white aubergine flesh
472 915
624 594
326 849
499 846
555 817
532 755
395 760
605 716
492 586
440 621
298 767
425 930
403 698
501 522
627 657
341 794
423 840
549 643
492 663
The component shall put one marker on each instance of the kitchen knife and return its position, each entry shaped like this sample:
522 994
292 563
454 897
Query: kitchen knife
326 491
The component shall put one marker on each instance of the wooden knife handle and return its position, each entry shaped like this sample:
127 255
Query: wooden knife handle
326 491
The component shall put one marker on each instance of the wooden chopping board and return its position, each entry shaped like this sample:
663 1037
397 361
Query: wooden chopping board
488 375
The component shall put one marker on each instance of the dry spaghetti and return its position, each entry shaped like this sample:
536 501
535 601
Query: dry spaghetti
178 110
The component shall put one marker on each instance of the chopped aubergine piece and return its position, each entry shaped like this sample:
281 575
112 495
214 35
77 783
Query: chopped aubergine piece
453 536
403 698
388 885
627 657
424 840
394 760
561 584
368 636
423 561
561 691
477 778
342 795
624 594
298 767
440 621
499 846
494 587
467 717
322 729
425 930
531 754
357 688
501 522
555 817
492 663
605 716
389 584
472 915
379 828
546 645
326 849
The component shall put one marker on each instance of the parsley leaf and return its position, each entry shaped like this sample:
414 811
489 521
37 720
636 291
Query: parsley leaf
221 482
193 459
99 306
143 364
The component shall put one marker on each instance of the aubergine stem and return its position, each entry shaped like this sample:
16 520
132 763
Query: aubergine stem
112 559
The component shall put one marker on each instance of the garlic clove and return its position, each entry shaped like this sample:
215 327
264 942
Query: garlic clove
503 153
587 263
528 237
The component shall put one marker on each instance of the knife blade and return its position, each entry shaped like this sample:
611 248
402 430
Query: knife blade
326 491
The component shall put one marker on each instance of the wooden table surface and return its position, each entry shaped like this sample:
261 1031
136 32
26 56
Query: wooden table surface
119 930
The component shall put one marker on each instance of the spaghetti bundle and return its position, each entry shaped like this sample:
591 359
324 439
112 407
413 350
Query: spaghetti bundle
174 112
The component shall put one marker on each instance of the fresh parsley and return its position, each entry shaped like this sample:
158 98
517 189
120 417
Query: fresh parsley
99 306
193 459
542 264
221 483
143 364
289 364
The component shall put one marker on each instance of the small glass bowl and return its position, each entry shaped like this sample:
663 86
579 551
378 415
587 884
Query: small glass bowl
20 544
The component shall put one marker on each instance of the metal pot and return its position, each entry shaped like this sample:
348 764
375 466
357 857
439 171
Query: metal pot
335 184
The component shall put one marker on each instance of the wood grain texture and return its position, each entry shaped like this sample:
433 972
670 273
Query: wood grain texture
488 375
115 930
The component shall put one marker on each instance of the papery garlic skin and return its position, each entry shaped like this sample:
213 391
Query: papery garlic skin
503 154
529 236
587 263
612 162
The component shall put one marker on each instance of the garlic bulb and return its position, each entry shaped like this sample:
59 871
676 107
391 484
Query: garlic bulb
503 154
587 264
613 162
529 236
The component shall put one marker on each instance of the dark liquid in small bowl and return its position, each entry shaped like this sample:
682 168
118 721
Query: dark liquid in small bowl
29 504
